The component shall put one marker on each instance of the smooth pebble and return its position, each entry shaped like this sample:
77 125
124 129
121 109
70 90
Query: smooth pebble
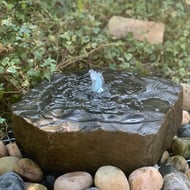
110 178
13 150
185 118
28 169
184 131
7 163
34 186
3 149
78 180
178 162
164 157
145 178
186 96
167 168
11 181
180 146
176 181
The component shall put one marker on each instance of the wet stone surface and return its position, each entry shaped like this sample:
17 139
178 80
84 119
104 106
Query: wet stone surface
129 124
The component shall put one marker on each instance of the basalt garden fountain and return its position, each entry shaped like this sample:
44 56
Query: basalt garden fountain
84 120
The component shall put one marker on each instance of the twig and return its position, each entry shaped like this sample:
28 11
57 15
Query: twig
14 92
80 57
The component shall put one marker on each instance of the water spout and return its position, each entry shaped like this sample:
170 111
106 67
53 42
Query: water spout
97 81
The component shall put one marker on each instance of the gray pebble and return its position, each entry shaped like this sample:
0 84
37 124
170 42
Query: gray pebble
11 181
184 131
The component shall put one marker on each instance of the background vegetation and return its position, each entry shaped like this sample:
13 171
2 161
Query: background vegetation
38 38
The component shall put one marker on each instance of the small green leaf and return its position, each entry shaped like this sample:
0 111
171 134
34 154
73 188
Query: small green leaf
12 69
24 30
66 35
33 73
128 56
85 39
38 54
48 62
2 120
2 70
74 38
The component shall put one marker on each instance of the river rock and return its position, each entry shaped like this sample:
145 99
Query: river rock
164 157
176 181
66 127
28 169
73 181
186 96
167 168
11 181
181 146
186 118
13 150
7 163
49 181
3 150
145 178
110 177
187 173
34 186
178 162
142 30
184 131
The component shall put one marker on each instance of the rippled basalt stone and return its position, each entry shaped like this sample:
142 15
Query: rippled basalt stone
64 126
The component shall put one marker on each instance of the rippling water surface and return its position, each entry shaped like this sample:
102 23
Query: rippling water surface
124 100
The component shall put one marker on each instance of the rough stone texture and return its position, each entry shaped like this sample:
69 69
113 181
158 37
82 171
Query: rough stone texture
63 145
142 30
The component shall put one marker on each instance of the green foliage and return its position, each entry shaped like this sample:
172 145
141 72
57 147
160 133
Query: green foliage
38 38
2 120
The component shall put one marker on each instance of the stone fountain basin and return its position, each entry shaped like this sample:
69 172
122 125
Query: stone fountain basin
62 140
